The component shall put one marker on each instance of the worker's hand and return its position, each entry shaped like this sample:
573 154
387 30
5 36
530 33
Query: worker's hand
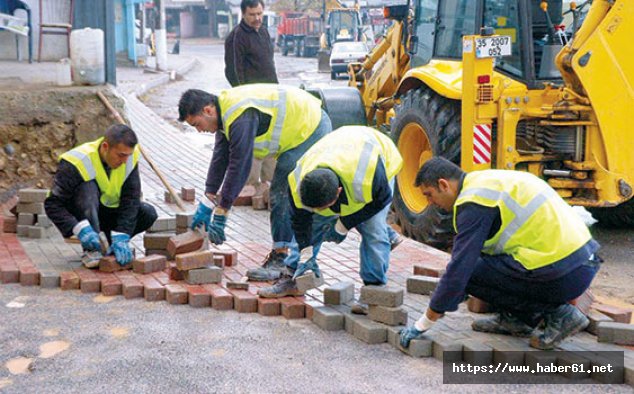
87 236
336 233
202 216
415 331
309 258
216 231
121 248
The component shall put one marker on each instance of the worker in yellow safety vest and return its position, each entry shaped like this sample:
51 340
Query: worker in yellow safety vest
96 188
344 181
519 247
261 120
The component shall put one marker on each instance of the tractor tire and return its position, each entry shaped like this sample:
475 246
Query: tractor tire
621 216
426 125
301 48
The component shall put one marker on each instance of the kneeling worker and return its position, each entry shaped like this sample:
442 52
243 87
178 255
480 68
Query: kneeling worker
97 187
344 181
519 246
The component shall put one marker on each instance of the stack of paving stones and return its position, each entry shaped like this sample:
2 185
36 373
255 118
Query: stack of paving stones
30 220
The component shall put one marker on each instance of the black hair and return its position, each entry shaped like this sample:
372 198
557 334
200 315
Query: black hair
251 4
435 169
193 101
319 188
120 134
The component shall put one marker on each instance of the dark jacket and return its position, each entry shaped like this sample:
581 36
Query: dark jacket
60 203
249 56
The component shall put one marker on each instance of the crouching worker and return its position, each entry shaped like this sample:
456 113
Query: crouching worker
344 181
97 187
519 246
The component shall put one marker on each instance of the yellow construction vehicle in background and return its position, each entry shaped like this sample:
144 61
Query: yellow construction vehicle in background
341 24
500 84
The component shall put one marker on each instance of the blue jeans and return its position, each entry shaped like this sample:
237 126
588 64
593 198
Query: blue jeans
374 251
281 230
527 299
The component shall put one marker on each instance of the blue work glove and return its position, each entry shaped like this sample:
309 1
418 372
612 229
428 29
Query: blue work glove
89 239
121 248
308 265
202 216
407 334
216 230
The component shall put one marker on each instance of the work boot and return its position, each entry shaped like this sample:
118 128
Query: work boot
271 269
285 286
359 308
90 258
561 323
394 243
503 323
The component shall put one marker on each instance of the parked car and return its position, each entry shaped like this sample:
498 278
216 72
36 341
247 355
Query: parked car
344 53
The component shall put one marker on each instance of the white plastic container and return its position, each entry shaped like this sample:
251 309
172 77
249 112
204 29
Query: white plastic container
62 70
87 56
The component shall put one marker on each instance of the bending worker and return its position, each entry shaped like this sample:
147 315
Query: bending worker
255 120
97 187
343 182
519 246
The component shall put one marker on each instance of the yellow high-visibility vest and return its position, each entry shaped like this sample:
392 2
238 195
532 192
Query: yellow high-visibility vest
538 227
351 152
295 114
86 159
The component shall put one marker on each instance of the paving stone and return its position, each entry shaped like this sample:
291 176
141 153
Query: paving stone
205 275
619 315
339 293
149 264
258 203
175 273
168 198
230 256
193 260
162 277
152 289
370 331
29 275
393 335
292 308
110 284
350 320
434 269
31 195
386 315
26 219
176 294
614 332
221 299
88 281
10 224
36 232
199 297
181 230
629 371
382 295
595 318
328 319
244 302
445 348
602 360
184 243
184 219
49 279
22 230
543 358
219 261
476 305
269 307
163 224
109 264
584 301
475 352
9 273
188 194
36 208
131 286
238 285
69 280
505 353
160 252
156 241
424 285
573 358
43 221
309 281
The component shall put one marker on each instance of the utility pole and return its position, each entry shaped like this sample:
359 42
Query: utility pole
161 38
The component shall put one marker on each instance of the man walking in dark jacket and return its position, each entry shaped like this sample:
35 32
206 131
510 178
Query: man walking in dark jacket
248 48
97 188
